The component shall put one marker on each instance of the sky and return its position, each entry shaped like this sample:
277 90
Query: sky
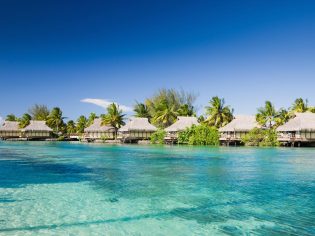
82 55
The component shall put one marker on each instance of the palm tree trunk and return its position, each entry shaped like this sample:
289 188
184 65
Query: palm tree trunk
116 131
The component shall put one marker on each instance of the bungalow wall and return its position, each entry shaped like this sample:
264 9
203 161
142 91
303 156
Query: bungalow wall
37 134
136 134
233 135
10 134
100 135
307 135
303 136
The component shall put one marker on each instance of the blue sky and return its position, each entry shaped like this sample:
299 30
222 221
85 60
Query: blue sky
61 52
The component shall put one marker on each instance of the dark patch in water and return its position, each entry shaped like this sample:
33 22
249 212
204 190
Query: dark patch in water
113 199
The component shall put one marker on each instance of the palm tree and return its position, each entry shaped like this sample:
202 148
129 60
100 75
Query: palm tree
201 119
39 112
311 109
218 114
71 129
81 124
166 104
25 120
114 117
299 105
266 115
282 117
165 114
55 119
141 110
186 110
11 117
91 119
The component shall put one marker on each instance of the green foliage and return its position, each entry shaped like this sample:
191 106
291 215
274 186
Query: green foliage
165 114
266 115
270 139
158 137
91 119
39 112
81 124
141 110
104 137
11 117
299 105
167 104
282 117
114 117
25 120
199 135
185 110
261 137
218 114
201 119
311 109
55 119
70 127
61 138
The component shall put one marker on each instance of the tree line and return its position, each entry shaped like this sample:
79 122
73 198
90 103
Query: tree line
162 110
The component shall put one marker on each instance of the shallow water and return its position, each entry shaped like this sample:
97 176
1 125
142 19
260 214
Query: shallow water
82 189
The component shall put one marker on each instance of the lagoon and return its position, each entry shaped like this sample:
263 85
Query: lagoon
91 189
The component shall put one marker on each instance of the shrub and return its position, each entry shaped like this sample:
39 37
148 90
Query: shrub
199 135
104 137
61 138
158 137
260 137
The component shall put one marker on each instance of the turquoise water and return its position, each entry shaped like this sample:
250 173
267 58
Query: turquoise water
81 189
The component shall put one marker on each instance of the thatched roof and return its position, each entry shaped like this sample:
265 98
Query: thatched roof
182 123
301 122
138 124
241 123
98 127
36 125
10 126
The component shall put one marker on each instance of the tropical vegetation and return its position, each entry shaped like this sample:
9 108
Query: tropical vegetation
114 117
39 112
162 110
25 120
261 137
11 117
199 135
141 110
158 137
167 104
55 119
218 113
81 124
266 115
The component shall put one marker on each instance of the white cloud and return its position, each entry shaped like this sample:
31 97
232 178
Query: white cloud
104 103
1 120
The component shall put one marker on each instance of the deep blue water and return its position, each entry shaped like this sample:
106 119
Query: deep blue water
90 189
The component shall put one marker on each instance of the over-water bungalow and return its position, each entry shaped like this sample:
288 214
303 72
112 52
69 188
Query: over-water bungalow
10 129
37 130
182 123
298 130
97 131
237 128
136 129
